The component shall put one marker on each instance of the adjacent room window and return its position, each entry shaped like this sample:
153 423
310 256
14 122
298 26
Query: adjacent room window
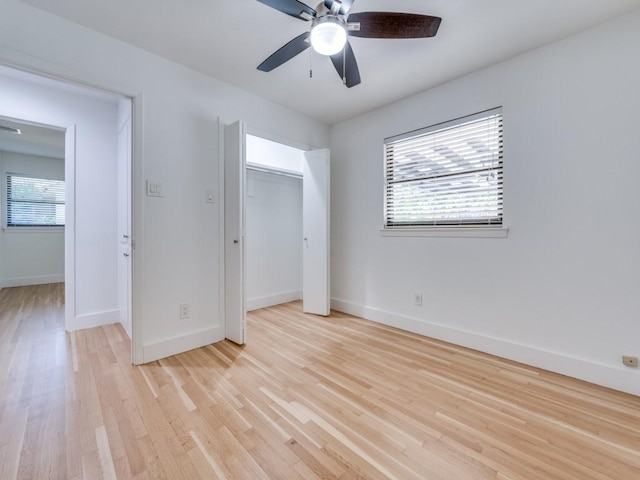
34 202
446 175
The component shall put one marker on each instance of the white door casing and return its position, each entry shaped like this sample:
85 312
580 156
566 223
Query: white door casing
315 227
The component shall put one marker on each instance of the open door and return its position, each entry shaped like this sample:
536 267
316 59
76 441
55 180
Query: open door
315 227
124 225
234 228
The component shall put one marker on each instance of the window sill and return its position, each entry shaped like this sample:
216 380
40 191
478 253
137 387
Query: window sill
464 232
32 229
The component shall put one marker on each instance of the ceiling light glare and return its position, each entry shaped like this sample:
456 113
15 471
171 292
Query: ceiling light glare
328 36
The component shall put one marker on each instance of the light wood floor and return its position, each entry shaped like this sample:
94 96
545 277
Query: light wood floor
307 398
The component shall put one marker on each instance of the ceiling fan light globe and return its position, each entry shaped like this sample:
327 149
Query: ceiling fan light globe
328 38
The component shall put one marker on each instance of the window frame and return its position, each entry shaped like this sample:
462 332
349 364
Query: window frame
445 229
6 203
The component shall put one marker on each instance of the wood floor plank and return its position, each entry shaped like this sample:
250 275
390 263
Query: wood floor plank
307 398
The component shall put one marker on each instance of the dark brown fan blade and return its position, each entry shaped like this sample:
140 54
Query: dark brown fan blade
394 25
344 7
339 61
286 53
291 7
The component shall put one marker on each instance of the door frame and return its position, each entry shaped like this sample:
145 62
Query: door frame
248 130
41 68
56 123
69 130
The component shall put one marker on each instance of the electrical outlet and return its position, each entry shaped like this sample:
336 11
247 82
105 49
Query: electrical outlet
184 310
630 361
417 299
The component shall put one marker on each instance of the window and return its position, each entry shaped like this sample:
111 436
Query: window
446 175
34 202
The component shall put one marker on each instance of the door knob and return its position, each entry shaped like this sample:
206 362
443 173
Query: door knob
235 242
126 254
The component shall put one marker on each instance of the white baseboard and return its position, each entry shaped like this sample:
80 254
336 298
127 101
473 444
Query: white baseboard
93 320
36 280
619 378
184 343
271 300
127 329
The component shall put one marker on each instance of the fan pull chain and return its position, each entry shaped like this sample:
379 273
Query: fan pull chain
311 64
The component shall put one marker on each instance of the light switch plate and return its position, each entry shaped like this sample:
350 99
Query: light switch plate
210 196
154 188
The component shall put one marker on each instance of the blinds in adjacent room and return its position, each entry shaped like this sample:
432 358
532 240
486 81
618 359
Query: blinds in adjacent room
445 175
34 202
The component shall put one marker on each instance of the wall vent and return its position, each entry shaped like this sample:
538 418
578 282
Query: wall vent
15 131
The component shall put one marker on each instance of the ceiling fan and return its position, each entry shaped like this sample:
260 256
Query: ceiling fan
331 25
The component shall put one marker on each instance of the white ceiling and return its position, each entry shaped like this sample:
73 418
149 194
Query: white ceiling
34 139
228 39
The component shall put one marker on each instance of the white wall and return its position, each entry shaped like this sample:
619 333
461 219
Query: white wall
95 121
273 155
30 256
561 291
273 223
176 259
274 239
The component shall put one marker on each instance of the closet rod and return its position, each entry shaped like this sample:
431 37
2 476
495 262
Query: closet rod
257 168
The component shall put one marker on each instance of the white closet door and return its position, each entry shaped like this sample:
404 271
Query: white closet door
234 223
315 226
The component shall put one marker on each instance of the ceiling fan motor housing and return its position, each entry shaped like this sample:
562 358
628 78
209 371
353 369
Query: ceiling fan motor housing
332 23
325 8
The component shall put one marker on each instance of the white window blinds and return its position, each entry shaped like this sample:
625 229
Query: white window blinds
449 174
34 202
